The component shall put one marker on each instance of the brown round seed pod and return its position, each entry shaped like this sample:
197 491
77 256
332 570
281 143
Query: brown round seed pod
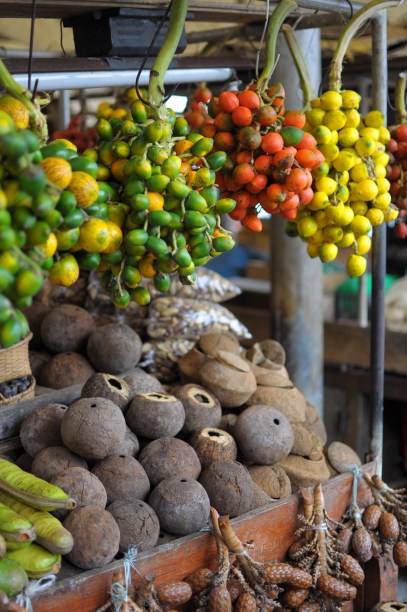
174 593
295 597
389 528
270 378
25 462
199 580
114 348
181 504
64 370
263 434
229 378
362 544
273 351
37 360
305 443
227 422
212 445
83 486
35 315
212 341
246 603
272 479
344 539
190 365
107 386
96 537
342 457
400 553
54 459
259 497
42 428
66 328
290 402
229 486
130 445
371 516
137 522
140 381
219 599
352 569
202 408
123 478
155 415
93 427
336 589
168 457
304 473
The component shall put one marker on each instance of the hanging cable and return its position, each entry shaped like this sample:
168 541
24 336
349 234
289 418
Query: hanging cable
31 46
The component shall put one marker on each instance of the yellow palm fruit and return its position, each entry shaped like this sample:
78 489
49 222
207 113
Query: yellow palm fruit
350 99
359 208
391 213
344 161
374 119
316 103
329 151
318 237
313 250
342 193
379 157
315 116
319 201
321 218
384 135
342 177
375 216
366 190
348 137
383 201
380 171
347 240
360 225
334 137
365 146
322 170
352 118
307 226
363 244
328 251
383 185
331 100
334 119
327 185
370 132
333 233
322 134
359 173
356 265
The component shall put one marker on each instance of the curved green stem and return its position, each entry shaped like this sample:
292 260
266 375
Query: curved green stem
365 13
300 63
157 73
282 11
399 98
38 122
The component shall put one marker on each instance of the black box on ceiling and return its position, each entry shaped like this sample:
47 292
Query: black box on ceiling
123 32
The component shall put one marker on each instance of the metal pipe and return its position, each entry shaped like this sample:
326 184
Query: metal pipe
377 338
121 78
64 109
342 6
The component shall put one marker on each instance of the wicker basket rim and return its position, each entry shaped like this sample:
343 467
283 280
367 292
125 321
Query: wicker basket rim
24 340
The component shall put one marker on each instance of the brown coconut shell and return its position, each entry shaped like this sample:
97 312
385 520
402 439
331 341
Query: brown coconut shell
108 386
273 351
229 378
259 497
202 408
213 341
190 365
304 473
271 378
290 402
342 457
272 479
306 442
227 422
212 445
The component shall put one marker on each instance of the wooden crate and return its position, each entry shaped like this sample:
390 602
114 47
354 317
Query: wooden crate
269 529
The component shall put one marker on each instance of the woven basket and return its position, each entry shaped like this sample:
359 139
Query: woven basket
14 363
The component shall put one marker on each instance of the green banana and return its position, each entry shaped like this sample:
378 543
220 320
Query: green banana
13 578
15 527
49 530
32 490
35 560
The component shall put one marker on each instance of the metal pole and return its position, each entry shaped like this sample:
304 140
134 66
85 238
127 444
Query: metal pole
64 109
377 339
296 280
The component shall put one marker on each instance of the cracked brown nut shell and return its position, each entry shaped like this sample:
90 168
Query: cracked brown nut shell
227 422
83 486
229 378
272 479
114 348
342 457
93 427
168 457
42 428
229 486
212 445
155 415
66 328
140 381
181 504
65 370
304 473
107 386
52 460
190 365
37 361
123 478
290 402
213 341
263 434
306 442
259 497
269 378
130 445
96 537
138 524
202 408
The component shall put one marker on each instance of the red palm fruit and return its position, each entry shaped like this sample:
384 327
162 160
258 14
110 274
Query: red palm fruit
195 119
243 157
257 184
220 181
214 107
249 99
290 203
290 214
224 141
266 115
305 196
228 101
392 145
223 121
263 164
276 192
401 230
309 178
401 132
283 159
238 214
272 142
308 158
203 94
208 128
294 118
252 222
296 180
243 173
276 93
231 184
249 137
244 199
307 142
242 116
195 105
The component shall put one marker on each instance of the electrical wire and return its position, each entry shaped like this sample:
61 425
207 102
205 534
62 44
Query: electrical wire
31 44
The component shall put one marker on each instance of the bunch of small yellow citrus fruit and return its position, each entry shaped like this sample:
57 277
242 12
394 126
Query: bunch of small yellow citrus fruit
351 189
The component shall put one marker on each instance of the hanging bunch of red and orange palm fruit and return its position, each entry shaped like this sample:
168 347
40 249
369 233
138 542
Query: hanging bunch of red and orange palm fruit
397 149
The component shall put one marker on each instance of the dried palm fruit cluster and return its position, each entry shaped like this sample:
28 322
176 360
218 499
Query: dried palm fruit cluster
245 584
319 551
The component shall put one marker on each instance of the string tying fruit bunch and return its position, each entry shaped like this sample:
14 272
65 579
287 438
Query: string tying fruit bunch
319 551
351 189
397 150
